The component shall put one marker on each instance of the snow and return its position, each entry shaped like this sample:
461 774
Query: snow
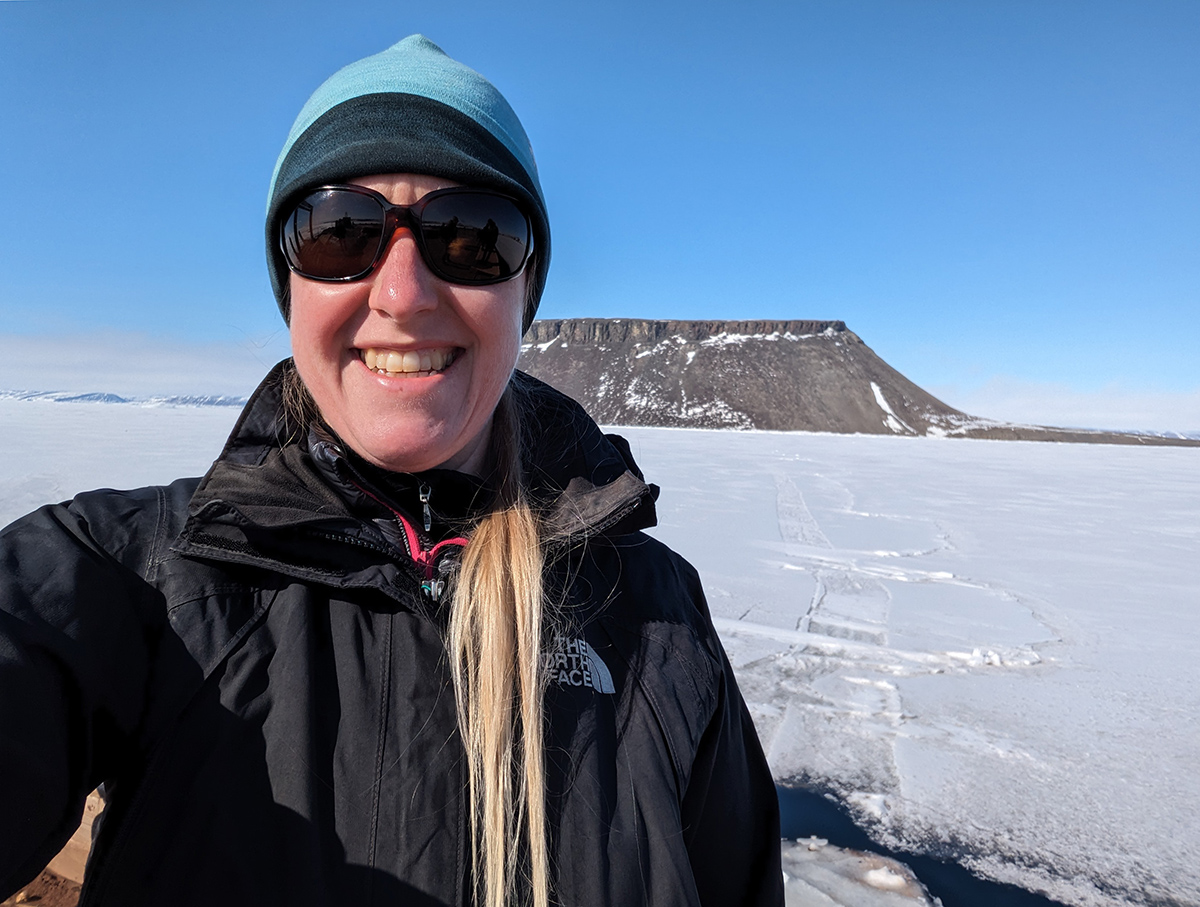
50 450
714 410
891 420
729 338
674 341
984 648
157 400
818 875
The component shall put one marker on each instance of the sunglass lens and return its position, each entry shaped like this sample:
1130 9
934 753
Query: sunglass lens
334 234
474 237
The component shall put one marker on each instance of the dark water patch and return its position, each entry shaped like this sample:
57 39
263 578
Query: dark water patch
805 813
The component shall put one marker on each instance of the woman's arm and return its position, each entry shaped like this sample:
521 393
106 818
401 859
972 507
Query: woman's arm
74 642
730 810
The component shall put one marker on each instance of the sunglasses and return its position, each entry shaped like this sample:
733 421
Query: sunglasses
465 236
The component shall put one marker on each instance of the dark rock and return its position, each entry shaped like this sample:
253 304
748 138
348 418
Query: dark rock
778 375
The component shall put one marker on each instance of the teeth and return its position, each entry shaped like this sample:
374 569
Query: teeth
410 362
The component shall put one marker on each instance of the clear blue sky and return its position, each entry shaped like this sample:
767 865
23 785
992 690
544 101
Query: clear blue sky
999 197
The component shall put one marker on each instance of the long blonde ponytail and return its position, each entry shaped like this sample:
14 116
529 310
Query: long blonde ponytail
494 641
495 634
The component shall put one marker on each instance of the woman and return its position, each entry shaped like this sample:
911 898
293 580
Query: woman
404 643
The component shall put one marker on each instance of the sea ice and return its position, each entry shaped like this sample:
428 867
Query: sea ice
983 648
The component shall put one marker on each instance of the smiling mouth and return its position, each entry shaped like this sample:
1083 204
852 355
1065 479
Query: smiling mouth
410 363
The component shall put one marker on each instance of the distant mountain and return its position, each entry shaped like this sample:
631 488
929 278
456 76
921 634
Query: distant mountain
780 375
101 397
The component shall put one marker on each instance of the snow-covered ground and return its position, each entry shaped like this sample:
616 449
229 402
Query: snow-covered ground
51 450
985 647
988 648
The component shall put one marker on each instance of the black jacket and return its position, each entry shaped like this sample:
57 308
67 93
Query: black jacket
249 663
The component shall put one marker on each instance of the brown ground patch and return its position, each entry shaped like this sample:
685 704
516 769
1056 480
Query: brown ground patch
47 890
60 882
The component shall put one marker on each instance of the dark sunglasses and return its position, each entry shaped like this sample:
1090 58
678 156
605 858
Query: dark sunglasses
465 236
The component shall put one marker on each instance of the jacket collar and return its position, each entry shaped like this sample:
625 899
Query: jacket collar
270 498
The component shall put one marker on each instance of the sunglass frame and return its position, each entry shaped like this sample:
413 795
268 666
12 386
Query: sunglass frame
397 216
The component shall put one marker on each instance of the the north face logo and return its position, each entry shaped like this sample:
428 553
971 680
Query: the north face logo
573 663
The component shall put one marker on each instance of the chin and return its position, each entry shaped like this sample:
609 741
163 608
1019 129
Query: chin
400 455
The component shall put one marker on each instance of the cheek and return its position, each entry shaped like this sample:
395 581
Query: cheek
320 315
511 311
507 334
497 323
300 317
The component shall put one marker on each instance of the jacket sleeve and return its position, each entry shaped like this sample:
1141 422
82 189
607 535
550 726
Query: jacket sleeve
73 668
730 810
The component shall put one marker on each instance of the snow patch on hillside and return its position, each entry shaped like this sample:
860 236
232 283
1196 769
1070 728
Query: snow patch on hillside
726 338
891 420
716 412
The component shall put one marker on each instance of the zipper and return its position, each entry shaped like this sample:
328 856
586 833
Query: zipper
430 587
424 491
425 558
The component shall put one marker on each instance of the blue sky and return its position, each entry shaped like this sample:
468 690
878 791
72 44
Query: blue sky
1001 198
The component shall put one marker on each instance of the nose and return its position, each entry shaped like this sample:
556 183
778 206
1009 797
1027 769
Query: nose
402 284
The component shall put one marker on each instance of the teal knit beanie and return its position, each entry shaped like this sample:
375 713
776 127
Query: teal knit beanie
409 109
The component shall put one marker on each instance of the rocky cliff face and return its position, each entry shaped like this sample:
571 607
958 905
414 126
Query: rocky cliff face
780 375
784 375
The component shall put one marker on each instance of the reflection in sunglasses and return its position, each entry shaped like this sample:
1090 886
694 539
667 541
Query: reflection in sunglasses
464 235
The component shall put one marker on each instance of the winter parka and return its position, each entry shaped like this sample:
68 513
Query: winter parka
253 664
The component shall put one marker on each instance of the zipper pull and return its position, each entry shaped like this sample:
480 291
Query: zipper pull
423 491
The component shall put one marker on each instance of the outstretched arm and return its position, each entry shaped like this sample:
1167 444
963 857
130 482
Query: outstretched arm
731 813
73 665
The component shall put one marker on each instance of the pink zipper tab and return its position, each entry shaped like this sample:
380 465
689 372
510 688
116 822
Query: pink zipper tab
425 557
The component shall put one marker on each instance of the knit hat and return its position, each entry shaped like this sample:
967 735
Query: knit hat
409 109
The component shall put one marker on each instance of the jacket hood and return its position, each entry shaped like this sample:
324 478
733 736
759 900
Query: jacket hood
275 500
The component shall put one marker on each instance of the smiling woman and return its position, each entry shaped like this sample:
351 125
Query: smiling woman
405 642
366 349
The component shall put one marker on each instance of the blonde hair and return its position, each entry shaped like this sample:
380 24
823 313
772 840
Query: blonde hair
498 621
495 642
299 409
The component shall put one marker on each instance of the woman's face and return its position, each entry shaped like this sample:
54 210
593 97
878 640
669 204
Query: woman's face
350 340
